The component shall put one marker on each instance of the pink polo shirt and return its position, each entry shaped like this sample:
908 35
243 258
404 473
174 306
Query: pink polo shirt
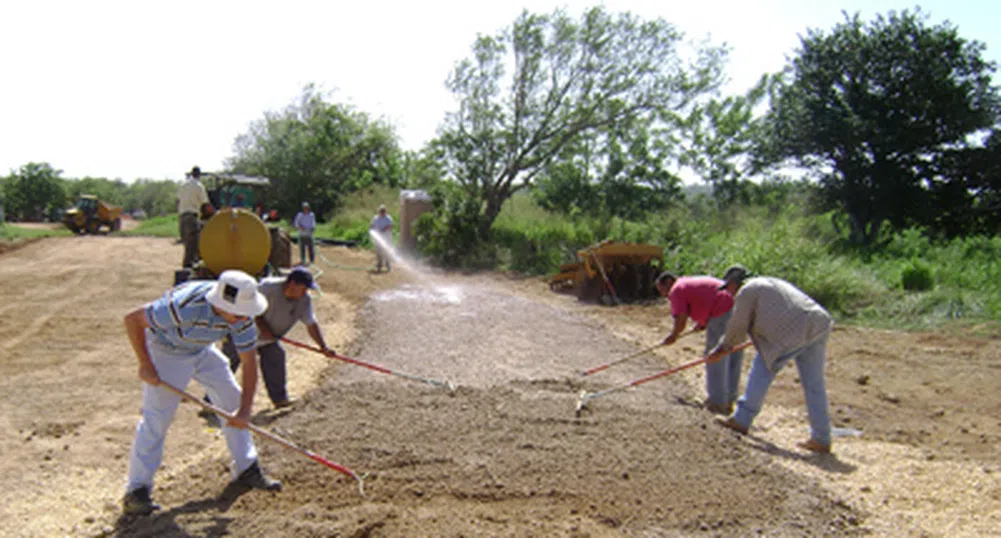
700 298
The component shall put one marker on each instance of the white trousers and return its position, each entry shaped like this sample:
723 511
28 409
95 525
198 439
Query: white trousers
211 369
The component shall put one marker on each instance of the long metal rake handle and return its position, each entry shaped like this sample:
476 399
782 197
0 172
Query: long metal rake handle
587 396
629 357
270 436
443 384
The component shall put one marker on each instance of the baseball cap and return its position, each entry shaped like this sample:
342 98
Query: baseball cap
236 293
301 275
666 275
305 204
735 273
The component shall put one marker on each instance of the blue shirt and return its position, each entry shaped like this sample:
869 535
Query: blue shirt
183 320
305 222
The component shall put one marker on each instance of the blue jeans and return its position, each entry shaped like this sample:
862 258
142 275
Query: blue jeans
810 363
722 376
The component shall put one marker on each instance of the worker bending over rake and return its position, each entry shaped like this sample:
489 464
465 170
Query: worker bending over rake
288 302
173 339
785 325
702 299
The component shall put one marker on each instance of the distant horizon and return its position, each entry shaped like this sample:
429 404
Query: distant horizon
129 91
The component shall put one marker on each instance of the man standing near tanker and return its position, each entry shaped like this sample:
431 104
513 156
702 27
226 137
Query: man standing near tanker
191 198
305 222
173 339
382 224
702 299
785 325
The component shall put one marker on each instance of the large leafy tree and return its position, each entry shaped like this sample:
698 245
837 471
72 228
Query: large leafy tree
317 151
537 97
718 136
874 109
32 191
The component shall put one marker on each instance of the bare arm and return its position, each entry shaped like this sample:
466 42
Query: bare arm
135 328
317 336
263 329
679 325
248 386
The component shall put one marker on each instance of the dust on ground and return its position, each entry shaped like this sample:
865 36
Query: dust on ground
505 454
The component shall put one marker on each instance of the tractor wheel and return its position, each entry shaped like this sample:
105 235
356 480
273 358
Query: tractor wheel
93 226
116 225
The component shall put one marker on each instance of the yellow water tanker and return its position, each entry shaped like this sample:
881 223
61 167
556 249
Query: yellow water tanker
235 239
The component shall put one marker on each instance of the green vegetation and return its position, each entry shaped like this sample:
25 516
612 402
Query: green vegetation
11 232
165 226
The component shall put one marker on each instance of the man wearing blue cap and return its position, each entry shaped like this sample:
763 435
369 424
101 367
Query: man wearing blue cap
288 302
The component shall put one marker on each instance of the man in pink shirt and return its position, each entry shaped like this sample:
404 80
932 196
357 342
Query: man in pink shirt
701 299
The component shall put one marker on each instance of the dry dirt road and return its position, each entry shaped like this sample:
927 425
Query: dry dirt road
502 456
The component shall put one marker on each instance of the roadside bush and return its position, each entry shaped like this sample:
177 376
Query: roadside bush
917 276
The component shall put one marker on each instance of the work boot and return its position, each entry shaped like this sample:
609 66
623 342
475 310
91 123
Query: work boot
253 477
720 409
138 503
731 423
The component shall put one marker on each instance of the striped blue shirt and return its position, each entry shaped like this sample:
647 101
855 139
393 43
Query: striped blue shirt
183 320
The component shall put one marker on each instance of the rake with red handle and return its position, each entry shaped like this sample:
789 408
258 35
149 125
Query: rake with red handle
444 384
629 357
587 396
270 436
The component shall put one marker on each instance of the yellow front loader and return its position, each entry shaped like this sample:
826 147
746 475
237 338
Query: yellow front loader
90 214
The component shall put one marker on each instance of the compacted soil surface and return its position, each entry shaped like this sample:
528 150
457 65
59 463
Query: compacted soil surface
475 432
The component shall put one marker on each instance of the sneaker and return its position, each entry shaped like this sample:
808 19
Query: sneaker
254 478
138 503
282 404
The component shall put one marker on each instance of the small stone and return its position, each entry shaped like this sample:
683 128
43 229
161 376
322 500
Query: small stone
862 380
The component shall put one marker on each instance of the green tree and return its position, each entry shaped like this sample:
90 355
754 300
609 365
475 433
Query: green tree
718 138
317 151
34 190
112 191
535 92
871 108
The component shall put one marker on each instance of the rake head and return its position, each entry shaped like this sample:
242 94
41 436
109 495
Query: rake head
582 398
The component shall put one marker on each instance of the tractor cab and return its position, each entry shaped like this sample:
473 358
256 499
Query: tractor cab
235 190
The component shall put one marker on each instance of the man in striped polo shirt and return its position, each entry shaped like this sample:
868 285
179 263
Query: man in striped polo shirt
174 340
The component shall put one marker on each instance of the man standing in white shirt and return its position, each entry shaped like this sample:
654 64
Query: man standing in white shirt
305 222
191 197
382 226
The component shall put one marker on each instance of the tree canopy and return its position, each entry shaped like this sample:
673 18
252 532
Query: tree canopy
33 191
316 151
879 111
571 101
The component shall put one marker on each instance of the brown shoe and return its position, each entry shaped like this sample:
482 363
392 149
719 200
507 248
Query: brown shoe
732 424
815 446
720 409
283 404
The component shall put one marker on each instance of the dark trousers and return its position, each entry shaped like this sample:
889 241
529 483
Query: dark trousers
306 243
189 236
272 359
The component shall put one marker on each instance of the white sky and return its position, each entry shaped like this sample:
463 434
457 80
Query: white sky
136 89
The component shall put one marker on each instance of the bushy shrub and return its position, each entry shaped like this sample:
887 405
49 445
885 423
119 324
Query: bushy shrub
917 276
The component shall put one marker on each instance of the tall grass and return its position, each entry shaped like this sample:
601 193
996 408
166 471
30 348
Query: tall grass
165 226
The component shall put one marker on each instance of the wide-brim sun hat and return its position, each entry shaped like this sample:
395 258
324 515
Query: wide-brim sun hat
236 292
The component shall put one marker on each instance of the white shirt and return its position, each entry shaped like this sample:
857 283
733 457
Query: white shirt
382 224
191 196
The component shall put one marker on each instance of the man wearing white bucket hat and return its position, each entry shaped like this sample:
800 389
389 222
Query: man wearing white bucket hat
174 340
